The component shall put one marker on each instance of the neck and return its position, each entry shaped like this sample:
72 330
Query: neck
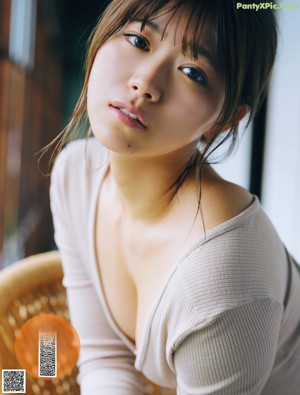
145 187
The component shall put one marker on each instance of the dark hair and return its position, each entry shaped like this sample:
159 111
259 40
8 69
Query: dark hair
244 47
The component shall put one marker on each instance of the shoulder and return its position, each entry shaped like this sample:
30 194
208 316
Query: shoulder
78 153
78 163
76 174
221 199
239 260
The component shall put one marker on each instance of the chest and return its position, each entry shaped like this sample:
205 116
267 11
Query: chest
133 268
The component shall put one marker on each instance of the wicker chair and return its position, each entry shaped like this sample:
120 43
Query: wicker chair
30 287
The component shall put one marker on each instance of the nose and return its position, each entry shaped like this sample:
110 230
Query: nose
146 84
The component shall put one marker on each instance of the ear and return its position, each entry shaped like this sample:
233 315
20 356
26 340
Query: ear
240 114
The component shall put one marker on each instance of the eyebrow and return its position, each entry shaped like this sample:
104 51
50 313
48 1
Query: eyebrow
201 51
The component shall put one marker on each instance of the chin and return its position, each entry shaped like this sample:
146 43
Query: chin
114 141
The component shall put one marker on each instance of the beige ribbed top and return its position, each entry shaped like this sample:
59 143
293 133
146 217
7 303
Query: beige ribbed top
225 322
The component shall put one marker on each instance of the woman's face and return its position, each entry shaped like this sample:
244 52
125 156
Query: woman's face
176 98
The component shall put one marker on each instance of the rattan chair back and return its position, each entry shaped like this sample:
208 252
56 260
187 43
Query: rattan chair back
30 287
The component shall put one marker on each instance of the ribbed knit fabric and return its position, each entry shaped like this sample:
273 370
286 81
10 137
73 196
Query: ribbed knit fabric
225 322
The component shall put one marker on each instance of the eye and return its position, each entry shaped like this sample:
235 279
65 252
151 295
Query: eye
136 40
195 74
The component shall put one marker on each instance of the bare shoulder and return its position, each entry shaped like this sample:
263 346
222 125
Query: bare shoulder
222 200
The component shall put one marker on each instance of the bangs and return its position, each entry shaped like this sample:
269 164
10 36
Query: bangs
197 14
242 46
237 42
209 25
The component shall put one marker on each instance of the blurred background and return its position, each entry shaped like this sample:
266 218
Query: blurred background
42 47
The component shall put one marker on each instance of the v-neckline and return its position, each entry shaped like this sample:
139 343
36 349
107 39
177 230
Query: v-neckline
92 228
153 306
198 240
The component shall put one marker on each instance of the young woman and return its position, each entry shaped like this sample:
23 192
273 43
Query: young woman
177 282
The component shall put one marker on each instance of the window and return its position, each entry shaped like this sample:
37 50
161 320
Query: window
22 32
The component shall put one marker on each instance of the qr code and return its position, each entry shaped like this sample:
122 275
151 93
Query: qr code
47 354
13 381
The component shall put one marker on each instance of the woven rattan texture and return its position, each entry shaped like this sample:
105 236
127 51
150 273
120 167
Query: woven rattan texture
41 299
41 293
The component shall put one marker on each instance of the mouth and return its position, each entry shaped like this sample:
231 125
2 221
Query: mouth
132 118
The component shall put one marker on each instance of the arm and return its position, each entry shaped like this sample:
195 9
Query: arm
233 354
106 365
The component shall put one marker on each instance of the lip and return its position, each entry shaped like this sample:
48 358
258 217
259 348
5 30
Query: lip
141 123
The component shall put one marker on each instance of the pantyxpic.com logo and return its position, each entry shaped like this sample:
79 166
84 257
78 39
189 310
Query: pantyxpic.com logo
266 6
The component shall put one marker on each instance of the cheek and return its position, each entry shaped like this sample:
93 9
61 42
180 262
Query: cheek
92 98
197 115
93 85
106 73
98 85
98 76
103 65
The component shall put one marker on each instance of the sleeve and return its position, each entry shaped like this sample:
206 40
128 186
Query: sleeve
106 365
234 354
